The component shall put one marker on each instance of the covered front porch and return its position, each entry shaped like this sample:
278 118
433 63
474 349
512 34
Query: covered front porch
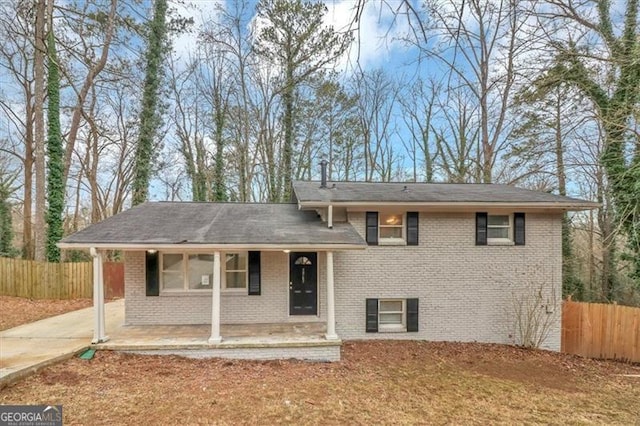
269 267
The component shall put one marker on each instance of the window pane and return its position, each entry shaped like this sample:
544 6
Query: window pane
391 319
303 261
391 305
172 262
498 220
498 232
200 271
390 219
236 261
236 279
390 232
172 281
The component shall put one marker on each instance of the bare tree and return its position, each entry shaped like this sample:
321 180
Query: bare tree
16 53
376 96
419 107
39 133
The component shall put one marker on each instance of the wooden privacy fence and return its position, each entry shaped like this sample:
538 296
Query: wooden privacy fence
597 330
69 280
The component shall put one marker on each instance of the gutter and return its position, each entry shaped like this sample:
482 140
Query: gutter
222 247
451 205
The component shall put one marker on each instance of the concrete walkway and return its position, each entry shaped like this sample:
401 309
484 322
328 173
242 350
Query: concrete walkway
30 347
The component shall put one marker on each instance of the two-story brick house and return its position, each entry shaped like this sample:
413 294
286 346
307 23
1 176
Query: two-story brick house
440 262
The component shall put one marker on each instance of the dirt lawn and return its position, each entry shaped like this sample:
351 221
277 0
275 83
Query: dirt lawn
377 382
15 311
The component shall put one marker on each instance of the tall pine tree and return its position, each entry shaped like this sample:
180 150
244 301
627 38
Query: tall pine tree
149 115
295 39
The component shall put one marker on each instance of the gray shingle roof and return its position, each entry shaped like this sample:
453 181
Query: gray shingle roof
310 192
215 223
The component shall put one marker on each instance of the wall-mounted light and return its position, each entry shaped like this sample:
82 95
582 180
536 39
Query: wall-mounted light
287 251
152 251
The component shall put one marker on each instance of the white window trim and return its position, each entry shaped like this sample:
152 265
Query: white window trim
393 241
185 275
501 241
393 328
223 273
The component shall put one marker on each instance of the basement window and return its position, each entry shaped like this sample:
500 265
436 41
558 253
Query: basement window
391 315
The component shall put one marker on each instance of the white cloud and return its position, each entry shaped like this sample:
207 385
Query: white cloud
379 32
202 12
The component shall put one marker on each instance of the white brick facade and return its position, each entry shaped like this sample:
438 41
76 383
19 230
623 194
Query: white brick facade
313 353
272 306
466 292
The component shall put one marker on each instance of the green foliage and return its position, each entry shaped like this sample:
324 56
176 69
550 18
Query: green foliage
149 117
55 165
78 256
571 283
616 101
6 219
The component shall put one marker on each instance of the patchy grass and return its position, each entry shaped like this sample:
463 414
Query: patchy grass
15 311
377 382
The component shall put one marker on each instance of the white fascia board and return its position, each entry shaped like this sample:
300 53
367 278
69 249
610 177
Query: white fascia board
210 247
451 206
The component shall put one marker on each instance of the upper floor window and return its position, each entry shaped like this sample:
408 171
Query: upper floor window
390 228
499 228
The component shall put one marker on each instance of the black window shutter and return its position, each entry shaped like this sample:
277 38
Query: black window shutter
254 273
518 229
152 274
372 315
412 315
412 228
481 229
372 228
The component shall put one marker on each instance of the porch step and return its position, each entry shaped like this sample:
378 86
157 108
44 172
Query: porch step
310 350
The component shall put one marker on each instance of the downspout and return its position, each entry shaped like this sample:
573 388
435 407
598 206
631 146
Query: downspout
330 216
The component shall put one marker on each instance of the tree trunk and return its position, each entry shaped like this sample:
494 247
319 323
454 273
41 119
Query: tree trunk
27 224
39 93
82 94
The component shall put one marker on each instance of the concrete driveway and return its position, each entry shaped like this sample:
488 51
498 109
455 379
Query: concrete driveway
30 347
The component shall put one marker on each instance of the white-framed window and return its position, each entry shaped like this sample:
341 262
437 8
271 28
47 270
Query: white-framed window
172 267
194 271
235 271
390 228
392 315
186 272
499 228
200 271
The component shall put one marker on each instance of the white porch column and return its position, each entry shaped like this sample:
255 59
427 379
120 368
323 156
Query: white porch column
215 302
331 309
98 298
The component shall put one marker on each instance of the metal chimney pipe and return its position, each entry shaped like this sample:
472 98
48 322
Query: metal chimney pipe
323 173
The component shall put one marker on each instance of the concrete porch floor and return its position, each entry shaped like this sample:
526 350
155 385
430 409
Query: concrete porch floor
186 337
